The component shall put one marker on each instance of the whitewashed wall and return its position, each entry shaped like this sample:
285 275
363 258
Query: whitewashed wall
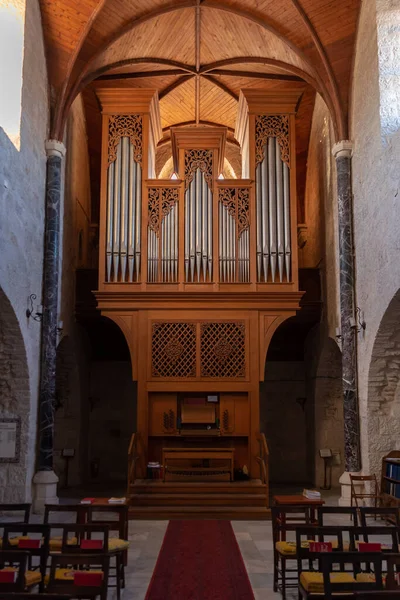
22 194
376 174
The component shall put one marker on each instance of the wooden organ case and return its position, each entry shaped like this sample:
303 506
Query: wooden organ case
198 271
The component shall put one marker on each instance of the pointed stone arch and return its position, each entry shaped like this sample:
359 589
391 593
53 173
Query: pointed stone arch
14 401
383 407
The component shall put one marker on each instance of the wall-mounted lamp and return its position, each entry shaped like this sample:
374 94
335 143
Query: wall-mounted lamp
60 327
338 335
30 312
357 322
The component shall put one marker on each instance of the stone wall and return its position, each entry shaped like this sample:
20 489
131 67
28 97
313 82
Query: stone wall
321 215
22 191
376 167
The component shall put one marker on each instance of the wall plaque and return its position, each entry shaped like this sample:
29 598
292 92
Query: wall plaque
10 439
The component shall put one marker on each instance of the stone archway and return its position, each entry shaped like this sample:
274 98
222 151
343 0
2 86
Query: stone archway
384 388
14 401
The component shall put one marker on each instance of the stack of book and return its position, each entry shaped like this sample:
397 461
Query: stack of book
312 494
393 471
116 500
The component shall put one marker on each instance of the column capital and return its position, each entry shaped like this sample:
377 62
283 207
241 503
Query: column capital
55 148
343 148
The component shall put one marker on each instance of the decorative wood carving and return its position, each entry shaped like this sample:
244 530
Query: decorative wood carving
198 159
243 210
237 201
223 350
173 349
225 420
272 126
125 126
160 202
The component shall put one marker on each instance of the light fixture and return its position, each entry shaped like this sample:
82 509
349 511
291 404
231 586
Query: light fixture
357 322
30 312
60 327
338 335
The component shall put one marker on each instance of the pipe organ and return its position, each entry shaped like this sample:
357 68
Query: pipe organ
197 271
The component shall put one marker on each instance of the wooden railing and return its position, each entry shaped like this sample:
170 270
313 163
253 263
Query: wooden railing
263 461
132 459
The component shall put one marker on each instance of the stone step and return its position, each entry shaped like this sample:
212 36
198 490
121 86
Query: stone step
194 499
233 513
142 486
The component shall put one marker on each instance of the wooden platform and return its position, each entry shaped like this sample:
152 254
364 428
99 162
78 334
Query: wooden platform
241 500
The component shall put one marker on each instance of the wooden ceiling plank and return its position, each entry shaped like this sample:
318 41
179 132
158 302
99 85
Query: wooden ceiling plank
255 74
140 74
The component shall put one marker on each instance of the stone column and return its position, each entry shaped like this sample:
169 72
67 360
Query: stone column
45 480
342 151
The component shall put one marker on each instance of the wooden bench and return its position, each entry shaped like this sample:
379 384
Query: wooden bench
173 454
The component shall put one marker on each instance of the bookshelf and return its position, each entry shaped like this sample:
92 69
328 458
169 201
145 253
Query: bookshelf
390 480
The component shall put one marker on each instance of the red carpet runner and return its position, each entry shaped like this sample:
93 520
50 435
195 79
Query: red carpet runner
200 560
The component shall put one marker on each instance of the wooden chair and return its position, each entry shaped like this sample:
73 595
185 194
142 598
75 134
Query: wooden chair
366 534
393 573
331 582
323 511
372 495
29 596
329 535
53 516
88 578
388 513
76 539
14 513
9 510
117 545
380 595
285 519
33 539
17 562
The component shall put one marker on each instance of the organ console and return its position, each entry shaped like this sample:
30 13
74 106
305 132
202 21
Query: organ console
198 271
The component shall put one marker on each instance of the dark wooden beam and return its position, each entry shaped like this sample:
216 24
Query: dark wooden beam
221 85
172 86
139 74
254 74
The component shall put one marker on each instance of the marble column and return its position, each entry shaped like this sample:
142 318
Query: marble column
45 480
342 152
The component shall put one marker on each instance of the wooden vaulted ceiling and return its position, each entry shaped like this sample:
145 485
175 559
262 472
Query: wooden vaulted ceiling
199 53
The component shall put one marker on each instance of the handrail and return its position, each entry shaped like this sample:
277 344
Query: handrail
132 458
263 461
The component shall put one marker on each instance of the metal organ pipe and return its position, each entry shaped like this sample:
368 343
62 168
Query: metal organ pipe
273 215
110 220
198 230
286 209
131 215
117 212
279 209
124 204
123 215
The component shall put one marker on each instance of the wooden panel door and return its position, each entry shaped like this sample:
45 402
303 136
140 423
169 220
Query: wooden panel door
162 414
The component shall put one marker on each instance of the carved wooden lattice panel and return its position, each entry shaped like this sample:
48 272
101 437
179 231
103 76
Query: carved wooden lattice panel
272 126
173 348
223 349
125 126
